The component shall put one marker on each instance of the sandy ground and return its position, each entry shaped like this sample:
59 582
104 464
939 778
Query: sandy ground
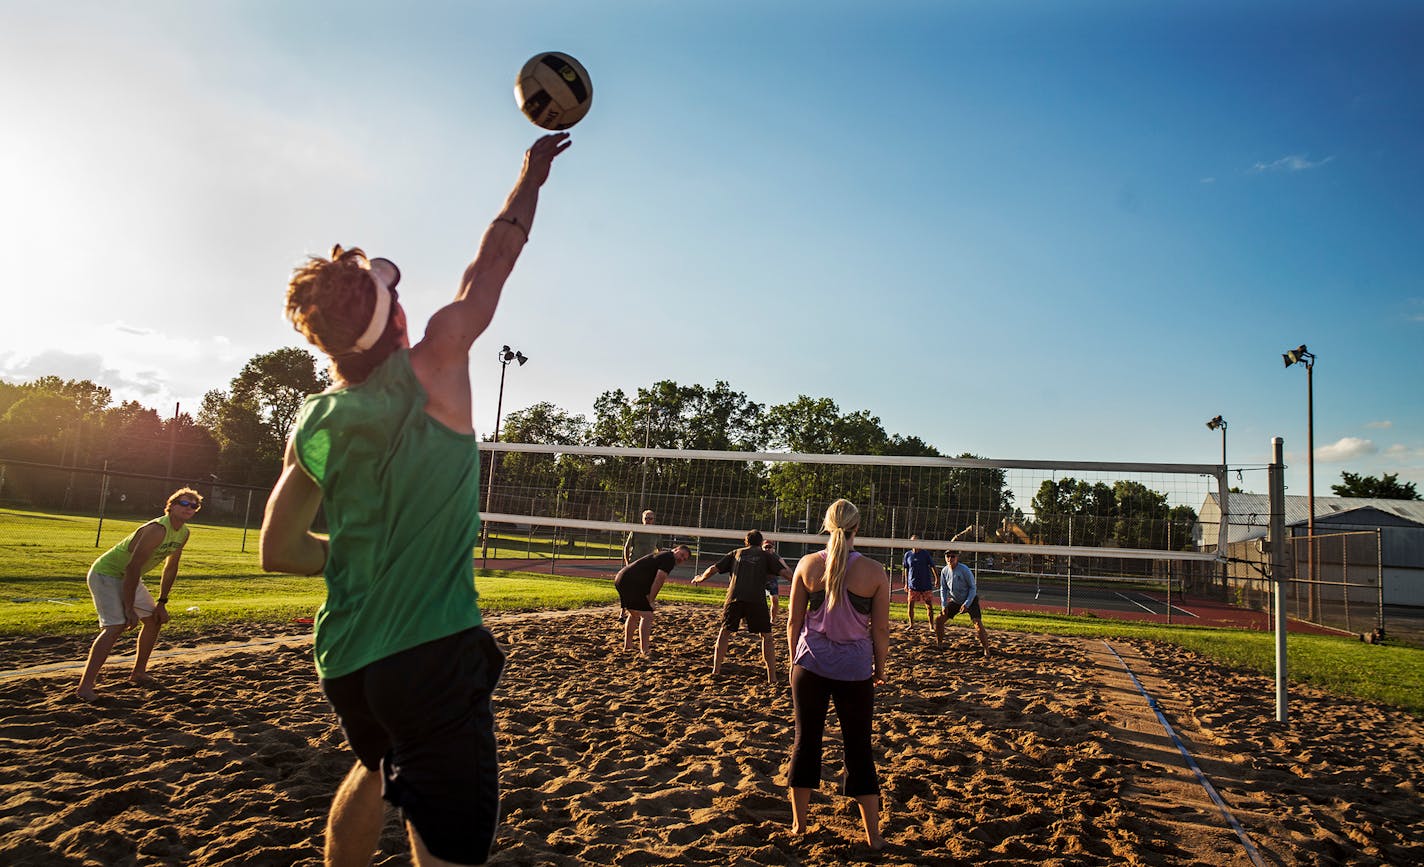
1045 754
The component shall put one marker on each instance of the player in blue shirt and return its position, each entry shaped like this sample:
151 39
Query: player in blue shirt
919 582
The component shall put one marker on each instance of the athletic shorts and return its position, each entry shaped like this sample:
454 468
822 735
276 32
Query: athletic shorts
422 718
634 598
108 594
973 610
925 596
754 612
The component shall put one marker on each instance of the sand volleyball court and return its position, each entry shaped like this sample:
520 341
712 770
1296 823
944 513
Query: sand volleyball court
1046 754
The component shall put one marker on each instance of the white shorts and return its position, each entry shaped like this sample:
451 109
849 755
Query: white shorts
107 592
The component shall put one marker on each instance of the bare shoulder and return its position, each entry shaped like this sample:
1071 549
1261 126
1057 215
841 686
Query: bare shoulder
871 567
810 570
867 575
446 380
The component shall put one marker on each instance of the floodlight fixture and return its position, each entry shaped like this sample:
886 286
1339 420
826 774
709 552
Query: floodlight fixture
1300 353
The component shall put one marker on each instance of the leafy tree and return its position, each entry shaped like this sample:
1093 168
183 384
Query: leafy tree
1072 511
38 427
671 416
817 426
1141 516
544 423
1182 522
51 419
1386 487
251 422
9 394
535 475
133 436
247 452
275 384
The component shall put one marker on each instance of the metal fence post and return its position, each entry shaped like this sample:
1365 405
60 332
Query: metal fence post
1276 473
1379 580
1345 576
103 499
246 516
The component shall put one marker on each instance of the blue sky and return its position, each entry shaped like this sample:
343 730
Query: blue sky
1025 230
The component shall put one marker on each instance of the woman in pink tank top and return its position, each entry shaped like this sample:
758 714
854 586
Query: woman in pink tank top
839 636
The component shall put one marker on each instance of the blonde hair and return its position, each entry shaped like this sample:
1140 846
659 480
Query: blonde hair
183 492
330 302
841 521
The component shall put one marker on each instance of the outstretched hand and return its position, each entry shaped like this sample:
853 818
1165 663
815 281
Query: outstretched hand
541 154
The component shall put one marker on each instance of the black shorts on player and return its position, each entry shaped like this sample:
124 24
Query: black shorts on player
754 612
422 719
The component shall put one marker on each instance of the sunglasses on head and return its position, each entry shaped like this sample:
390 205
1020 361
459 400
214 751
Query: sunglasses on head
187 504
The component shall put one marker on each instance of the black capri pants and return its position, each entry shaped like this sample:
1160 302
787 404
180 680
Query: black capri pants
855 706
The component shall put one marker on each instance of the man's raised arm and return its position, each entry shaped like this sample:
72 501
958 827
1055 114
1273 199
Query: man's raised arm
454 328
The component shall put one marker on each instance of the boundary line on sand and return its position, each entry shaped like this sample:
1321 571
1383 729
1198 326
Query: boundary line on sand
1191 763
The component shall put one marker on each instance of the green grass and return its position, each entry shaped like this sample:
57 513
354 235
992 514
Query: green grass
45 557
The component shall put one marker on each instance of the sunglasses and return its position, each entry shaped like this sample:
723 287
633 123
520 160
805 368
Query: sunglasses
188 504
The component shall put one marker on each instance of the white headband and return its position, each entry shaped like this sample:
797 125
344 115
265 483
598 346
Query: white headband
379 317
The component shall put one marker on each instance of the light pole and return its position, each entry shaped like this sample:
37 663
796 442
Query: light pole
1302 355
506 355
1225 524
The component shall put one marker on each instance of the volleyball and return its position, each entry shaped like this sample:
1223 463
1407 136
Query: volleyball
553 90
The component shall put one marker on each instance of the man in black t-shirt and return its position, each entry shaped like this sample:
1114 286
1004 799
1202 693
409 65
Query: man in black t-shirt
638 584
750 567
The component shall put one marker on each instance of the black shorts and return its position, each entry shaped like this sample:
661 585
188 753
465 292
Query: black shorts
634 597
422 719
972 610
754 612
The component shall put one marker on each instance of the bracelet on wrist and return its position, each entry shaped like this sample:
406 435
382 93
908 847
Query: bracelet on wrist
515 223
163 600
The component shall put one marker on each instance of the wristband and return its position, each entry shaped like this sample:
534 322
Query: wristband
163 600
515 223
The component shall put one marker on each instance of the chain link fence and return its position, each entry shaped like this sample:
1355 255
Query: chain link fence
128 496
1336 580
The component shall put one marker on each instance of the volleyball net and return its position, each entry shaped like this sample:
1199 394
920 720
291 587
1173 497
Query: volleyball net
1123 520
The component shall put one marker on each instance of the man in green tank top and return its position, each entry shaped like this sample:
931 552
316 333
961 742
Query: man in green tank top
389 455
120 597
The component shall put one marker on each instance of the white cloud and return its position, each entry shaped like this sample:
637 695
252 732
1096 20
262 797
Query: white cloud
152 367
1208 180
1347 448
1291 163
1383 425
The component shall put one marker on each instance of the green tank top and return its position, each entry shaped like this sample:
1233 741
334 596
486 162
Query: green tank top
114 561
401 496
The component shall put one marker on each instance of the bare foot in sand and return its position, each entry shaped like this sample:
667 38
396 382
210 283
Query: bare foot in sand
86 695
143 680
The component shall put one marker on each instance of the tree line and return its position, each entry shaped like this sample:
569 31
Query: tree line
237 437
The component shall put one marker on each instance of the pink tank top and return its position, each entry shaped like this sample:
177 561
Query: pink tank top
835 642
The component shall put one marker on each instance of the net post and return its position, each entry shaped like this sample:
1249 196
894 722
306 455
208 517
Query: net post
1276 472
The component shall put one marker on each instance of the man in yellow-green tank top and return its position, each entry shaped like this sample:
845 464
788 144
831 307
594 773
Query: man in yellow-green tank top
120 597
389 455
